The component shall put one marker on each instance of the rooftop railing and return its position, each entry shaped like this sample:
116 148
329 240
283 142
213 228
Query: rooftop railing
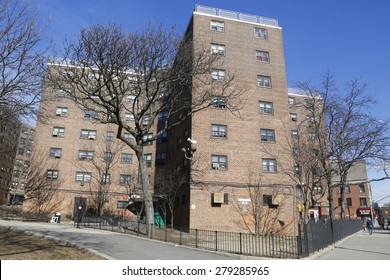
235 15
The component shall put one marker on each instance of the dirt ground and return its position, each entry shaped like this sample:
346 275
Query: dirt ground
16 245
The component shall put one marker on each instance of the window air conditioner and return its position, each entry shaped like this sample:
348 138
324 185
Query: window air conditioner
57 155
218 198
276 199
55 133
91 137
215 165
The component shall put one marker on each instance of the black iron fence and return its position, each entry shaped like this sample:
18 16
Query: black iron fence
312 237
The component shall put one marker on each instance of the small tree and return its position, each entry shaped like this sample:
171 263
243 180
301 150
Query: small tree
43 184
140 74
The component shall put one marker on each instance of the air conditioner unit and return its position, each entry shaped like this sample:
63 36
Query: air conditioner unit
215 165
91 137
55 133
57 155
276 199
218 198
58 113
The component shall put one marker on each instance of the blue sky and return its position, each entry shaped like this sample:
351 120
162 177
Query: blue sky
349 38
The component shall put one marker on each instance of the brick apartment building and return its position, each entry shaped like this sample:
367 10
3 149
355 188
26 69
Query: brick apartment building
238 178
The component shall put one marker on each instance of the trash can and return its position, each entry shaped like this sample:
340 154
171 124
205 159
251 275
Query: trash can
58 216
158 220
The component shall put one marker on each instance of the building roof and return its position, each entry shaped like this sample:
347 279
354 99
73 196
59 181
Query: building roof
356 174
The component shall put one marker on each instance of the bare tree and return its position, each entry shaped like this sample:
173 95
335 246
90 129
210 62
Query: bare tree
22 59
345 130
43 184
139 75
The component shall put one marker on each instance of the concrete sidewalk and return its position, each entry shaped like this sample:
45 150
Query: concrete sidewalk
360 246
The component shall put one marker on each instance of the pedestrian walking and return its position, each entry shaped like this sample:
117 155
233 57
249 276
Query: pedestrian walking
369 226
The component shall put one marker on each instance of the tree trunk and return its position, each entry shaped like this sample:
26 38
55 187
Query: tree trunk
147 192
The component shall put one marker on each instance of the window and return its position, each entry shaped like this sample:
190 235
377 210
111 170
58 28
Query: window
347 189
363 201
124 179
129 117
317 190
269 165
219 130
62 93
218 102
52 174
147 139
261 33
83 176
55 152
161 158
88 134
266 107
218 49
218 74
264 81
128 136
312 135
110 136
105 178
122 204
349 201
262 56
294 134
217 25
162 138
148 159
108 156
267 135
126 158
361 188
291 101
219 162
130 98
62 111
293 117
147 119
85 155
162 116
58 131
90 114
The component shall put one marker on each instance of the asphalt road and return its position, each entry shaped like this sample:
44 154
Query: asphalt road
117 246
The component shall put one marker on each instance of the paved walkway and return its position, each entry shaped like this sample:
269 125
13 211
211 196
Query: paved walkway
360 246
117 246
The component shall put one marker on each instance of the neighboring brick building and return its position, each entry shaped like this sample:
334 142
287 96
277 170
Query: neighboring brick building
22 163
9 133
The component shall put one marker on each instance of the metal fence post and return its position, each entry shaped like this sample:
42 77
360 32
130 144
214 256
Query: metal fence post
196 238
240 243
216 240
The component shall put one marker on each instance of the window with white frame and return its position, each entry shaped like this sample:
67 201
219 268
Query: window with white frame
267 135
217 25
218 102
262 56
58 131
218 162
147 139
269 165
219 130
62 111
52 174
126 158
361 188
129 117
130 98
55 152
90 114
291 101
85 155
83 176
106 178
148 159
218 49
266 107
128 137
264 81
218 74
261 33
124 179
293 117
108 156
88 134
363 201
110 136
